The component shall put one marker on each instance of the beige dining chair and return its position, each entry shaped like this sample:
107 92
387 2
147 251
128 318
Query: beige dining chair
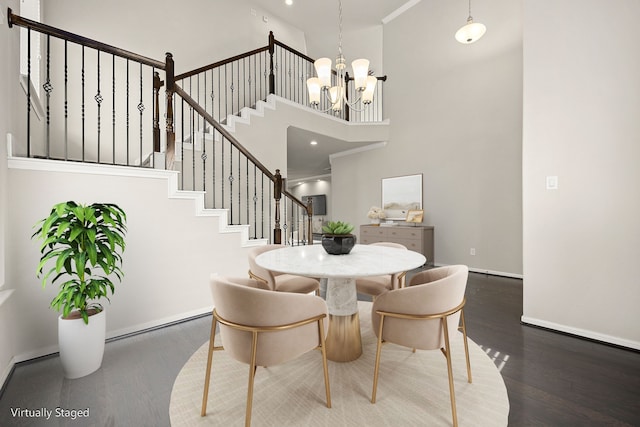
280 282
264 328
375 285
425 315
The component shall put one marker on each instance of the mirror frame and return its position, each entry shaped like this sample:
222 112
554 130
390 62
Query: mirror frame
401 194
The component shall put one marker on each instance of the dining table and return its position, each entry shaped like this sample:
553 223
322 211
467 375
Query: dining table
343 341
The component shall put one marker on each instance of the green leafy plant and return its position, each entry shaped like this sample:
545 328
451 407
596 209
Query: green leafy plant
81 241
337 228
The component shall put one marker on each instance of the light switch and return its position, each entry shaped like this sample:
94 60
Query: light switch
552 182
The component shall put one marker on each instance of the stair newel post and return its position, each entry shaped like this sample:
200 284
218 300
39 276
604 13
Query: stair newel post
157 83
310 220
171 136
272 77
277 194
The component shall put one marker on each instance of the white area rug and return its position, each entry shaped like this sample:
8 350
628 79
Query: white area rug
413 389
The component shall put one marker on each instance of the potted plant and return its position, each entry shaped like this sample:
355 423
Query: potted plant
337 238
83 244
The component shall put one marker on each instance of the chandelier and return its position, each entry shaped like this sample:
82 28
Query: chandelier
337 95
472 31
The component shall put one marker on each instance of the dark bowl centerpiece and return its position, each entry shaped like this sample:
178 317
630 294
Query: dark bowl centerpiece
337 238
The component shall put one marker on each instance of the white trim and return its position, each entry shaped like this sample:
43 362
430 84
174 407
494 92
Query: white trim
6 372
277 98
496 273
166 321
485 271
368 147
4 295
581 332
35 98
399 11
26 163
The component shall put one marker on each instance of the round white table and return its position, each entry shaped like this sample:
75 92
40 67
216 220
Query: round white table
340 271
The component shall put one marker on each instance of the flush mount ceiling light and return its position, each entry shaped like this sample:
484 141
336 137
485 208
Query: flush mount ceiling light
337 95
472 31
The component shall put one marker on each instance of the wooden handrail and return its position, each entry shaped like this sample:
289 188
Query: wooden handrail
221 63
222 130
84 41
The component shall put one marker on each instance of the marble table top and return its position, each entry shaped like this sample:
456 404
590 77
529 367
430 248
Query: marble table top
363 260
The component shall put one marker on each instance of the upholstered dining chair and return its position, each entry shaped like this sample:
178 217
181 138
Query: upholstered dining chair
264 328
375 285
425 315
281 282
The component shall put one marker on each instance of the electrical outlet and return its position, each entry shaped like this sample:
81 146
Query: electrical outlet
472 251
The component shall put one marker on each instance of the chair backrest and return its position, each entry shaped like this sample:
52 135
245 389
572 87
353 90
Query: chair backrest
389 244
431 291
240 301
395 278
264 274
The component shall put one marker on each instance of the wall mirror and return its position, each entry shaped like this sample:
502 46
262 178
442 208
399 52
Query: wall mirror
401 194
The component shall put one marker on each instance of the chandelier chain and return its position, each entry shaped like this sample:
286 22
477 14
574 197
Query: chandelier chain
340 28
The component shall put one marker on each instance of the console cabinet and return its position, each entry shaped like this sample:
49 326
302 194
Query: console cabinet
415 238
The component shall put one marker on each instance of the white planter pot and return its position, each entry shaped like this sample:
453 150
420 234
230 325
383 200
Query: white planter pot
81 345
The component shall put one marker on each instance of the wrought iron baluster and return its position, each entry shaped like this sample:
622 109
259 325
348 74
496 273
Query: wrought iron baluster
231 182
182 146
98 98
113 106
48 88
193 148
83 107
127 112
66 102
222 176
141 110
213 172
204 155
255 202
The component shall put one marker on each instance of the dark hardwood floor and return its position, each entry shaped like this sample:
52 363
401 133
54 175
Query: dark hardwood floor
552 379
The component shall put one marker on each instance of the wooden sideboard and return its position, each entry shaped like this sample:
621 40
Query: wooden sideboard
415 238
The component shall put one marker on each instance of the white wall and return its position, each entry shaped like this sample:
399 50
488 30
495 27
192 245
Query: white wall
197 33
455 115
581 124
169 256
9 42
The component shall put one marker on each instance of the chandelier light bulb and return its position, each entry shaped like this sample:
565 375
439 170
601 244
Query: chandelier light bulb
323 70
360 72
313 85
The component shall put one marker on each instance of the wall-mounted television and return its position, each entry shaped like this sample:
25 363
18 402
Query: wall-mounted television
319 203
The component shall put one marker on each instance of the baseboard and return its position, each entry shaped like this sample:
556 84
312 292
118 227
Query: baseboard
6 374
157 324
120 333
581 333
485 271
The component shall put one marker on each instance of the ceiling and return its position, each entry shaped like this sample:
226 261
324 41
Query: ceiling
315 18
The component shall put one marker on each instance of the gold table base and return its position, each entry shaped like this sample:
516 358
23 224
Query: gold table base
343 340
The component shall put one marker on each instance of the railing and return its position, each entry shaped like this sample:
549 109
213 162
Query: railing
99 101
226 87
213 161
102 104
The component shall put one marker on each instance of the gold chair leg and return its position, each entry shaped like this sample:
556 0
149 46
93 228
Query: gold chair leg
323 349
466 345
252 373
207 377
450 371
377 365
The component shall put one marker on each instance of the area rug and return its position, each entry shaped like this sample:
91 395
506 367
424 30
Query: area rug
413 389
